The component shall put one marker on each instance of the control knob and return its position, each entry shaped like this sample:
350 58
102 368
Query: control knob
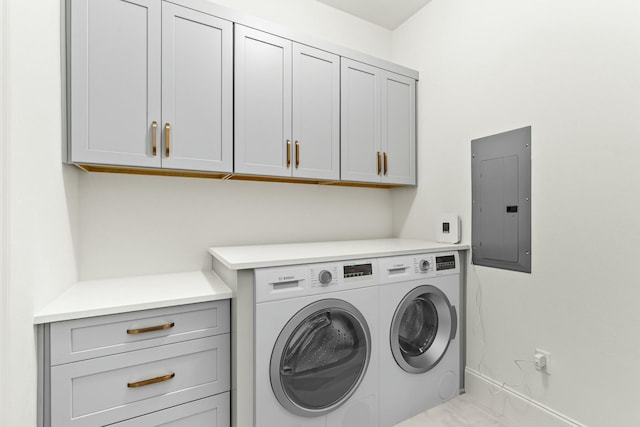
424 265
325 277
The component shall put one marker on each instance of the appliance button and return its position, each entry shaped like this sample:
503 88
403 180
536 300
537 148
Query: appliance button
424 265
325 277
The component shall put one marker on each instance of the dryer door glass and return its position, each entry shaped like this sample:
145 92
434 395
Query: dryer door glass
418 326
423 325
320 357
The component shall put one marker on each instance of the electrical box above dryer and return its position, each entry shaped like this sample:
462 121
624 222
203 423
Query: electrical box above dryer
501 200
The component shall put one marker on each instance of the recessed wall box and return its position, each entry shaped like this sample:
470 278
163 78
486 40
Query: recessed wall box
501 200
448 229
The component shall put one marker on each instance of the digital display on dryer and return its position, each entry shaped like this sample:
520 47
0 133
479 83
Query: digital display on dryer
358 270
447 262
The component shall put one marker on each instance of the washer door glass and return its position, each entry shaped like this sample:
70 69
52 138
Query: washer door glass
320 357
423 325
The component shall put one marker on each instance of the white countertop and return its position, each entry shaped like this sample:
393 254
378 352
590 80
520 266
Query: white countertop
111 296
249 257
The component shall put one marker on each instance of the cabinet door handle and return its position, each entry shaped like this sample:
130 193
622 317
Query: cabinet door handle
379 163
167 139
385 163
151 381
151 329
154 137
288 153
297 154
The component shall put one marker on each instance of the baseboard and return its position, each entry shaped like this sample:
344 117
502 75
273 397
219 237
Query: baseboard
512 406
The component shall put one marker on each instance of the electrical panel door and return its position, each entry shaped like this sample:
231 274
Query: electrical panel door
501 200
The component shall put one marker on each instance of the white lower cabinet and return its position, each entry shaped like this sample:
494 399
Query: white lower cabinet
209 412
168 366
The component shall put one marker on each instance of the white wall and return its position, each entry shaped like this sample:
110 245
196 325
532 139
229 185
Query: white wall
319 20
65 223
570 70
42 197
4 206
132 225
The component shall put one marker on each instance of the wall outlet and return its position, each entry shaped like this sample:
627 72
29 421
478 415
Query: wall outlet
542 361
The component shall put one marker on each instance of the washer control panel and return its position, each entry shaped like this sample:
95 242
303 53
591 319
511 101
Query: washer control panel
357 270
323 275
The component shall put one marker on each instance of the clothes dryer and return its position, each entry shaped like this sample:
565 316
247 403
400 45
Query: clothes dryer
420 358
316 345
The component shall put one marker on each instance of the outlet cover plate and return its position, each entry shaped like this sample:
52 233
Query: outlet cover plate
547 355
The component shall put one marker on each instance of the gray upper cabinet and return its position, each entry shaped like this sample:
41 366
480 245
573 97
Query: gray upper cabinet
287 103
150 86
262 103
378 125
398 100
316 113
157 84
115 81
361 155
197 114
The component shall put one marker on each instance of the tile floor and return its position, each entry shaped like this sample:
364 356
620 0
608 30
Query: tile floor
462 411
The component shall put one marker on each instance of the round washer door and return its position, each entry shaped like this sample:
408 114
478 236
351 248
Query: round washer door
422 327
320 357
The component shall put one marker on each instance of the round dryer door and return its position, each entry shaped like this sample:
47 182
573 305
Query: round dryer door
423 325
320 357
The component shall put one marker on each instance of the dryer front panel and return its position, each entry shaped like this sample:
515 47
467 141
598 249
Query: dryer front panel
422 327
320 357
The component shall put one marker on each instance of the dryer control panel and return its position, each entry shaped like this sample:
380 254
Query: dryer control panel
412 267
445 262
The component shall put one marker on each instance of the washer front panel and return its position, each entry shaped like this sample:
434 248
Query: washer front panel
320 357
422 327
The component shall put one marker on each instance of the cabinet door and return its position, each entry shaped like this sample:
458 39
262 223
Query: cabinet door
208 412
399 129
262 103
361 158
115 81
88 338
316 113
196 90
105 390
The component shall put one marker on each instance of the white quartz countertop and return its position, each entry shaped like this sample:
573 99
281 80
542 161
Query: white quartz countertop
111 296
249 257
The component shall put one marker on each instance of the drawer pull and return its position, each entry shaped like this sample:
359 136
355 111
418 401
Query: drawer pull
151 329
151 381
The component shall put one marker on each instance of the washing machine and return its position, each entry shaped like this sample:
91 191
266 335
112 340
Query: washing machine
420 354
316 345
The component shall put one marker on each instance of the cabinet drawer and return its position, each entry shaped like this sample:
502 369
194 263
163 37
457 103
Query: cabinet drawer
209 412
80 339
109 389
